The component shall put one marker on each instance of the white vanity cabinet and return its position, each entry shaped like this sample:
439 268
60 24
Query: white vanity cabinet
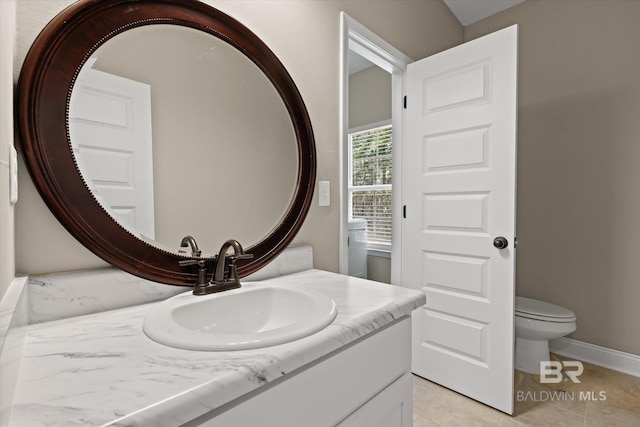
367 383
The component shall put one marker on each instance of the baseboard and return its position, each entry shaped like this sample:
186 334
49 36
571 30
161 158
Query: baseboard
602 356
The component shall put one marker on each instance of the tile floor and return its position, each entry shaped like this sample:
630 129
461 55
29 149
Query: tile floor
537 404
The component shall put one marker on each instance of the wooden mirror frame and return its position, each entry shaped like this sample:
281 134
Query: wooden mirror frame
44 91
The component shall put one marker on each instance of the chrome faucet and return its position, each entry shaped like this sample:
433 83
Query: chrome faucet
219 282
190 241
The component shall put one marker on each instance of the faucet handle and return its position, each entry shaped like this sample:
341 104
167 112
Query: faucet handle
187 262
234 258
233 272
202 271
232 276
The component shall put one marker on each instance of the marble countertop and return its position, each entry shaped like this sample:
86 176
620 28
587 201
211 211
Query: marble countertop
101 369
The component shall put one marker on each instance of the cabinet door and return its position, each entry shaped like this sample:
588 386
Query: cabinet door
392 407
330 391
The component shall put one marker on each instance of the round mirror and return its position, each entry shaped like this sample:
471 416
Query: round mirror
144 122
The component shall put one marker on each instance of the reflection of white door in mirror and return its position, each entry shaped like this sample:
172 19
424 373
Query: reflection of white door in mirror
110 131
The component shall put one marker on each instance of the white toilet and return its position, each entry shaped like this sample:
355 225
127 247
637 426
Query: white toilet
536 323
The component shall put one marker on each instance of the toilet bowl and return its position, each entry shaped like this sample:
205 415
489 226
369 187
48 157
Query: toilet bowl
536 323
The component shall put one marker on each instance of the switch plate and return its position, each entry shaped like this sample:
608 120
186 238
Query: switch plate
324 196
13 174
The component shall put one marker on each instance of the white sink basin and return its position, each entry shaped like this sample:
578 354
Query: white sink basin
254 316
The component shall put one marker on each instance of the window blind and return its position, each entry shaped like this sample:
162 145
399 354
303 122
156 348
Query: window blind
370 179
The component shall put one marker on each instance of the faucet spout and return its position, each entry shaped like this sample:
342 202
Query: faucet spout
190 241
220 282
238 252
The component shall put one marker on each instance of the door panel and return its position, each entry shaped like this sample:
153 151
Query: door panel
110 131
464 149
459 191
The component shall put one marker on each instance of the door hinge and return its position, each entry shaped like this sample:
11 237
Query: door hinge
404 211
405 102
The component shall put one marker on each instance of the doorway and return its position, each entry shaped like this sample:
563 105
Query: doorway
377 62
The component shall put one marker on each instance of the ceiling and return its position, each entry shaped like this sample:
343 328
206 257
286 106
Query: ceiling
470 11
467 12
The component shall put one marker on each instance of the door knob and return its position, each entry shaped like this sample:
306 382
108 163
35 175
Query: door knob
500 242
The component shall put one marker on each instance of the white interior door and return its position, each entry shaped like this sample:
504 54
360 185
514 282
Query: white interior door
459 192
110 131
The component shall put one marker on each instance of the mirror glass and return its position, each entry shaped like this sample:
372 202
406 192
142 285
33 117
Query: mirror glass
176 133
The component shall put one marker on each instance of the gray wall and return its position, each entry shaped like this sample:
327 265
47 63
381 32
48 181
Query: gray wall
369 97
7 37
579 161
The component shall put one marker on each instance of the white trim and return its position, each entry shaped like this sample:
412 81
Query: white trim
343 243
370 126
355 36
397 119
372 47
602 356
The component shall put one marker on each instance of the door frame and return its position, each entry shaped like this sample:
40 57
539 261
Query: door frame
358 38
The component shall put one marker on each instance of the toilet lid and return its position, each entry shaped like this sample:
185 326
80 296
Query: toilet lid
540 310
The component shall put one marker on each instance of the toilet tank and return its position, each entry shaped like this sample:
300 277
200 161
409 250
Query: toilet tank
358 247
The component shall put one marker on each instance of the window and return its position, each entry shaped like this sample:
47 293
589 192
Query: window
370 175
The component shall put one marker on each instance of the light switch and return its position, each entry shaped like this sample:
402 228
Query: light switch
13 174
324 198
